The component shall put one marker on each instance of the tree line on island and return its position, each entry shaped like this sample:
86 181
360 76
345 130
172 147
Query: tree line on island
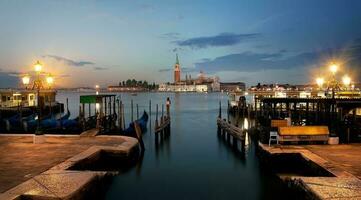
135 83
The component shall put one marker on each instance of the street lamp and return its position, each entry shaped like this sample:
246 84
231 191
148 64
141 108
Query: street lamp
38 85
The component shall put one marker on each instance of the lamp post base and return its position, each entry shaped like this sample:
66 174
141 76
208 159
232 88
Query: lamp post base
38 139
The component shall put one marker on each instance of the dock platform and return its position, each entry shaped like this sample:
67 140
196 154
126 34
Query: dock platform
45 170
342 161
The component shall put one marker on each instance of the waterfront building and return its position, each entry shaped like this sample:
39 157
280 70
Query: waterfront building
232 87
202 83
13 98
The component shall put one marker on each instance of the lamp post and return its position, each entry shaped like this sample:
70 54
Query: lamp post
38 85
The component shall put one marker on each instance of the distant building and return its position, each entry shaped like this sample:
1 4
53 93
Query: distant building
201 84
126 89
232 87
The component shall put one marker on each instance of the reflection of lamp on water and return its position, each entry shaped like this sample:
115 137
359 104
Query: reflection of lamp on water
245 124
97 107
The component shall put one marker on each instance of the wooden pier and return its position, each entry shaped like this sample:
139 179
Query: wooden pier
226 129
162 125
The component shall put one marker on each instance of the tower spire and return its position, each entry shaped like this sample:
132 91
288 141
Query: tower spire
176 60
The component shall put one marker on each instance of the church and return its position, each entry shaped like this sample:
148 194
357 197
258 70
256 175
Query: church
201 84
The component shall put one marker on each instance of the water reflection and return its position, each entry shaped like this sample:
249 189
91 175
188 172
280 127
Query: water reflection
162 144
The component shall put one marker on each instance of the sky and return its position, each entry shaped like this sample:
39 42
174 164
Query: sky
83 43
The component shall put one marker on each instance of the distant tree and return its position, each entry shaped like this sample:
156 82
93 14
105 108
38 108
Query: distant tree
120 83
123 83
128 83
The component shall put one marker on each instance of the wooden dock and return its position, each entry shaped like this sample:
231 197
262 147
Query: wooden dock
163 124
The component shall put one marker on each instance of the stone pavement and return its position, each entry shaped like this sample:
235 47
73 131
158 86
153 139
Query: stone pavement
21 160
343 161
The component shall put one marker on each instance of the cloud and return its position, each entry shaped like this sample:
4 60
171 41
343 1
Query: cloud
100 68
177 49
223 39
252 61
170 36
69 62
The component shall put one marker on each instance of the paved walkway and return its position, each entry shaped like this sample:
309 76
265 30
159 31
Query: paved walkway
21 160
343 161
346 157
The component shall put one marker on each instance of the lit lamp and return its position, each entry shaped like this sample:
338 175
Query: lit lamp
96 89
38 67
333 68
49 80
346 81
320 82
26 81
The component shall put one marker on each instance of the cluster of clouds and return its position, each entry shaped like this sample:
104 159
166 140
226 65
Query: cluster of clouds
252 61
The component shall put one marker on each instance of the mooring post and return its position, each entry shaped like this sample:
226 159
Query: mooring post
131 107
162 118
150 115
119 114
123 115
138 132
228 110
156 117
137 112
220 110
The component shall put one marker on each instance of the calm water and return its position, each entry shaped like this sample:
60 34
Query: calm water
193 163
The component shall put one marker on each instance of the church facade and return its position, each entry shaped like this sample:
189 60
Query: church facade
201 84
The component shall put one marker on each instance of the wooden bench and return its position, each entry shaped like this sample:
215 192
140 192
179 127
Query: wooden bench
303 133
275 123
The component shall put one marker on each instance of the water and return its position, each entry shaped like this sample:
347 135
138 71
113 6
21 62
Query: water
193 163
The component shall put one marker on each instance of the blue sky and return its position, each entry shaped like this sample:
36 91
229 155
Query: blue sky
84 43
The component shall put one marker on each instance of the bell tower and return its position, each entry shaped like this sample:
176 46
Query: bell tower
177 71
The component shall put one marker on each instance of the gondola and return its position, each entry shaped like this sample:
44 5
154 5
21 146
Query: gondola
15 123
142 122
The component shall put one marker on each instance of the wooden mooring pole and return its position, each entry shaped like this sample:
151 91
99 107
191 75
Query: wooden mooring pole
131 107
